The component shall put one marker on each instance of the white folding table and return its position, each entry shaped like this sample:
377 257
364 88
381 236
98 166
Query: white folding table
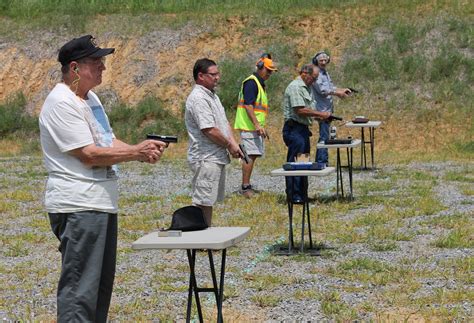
372 125
349 147
304 173
213 238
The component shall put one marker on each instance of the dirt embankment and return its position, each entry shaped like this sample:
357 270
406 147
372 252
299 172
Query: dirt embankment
159 63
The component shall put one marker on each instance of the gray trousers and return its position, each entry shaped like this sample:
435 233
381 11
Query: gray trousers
88 245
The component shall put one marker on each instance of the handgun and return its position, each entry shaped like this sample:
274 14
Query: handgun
333 117
167 139
246 156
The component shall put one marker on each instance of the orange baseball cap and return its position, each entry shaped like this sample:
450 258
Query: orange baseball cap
268 64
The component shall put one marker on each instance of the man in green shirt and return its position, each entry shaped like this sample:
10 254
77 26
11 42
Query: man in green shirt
299 111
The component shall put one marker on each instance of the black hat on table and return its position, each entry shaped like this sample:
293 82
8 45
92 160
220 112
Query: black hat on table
81 47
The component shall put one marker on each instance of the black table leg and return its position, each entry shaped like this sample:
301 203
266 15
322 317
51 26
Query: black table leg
213 274
305 215
349 164
221 288
193 288
339 173
290 227
309 226
363 157
302 224
372 137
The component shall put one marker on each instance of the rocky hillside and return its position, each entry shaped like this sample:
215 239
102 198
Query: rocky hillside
159 61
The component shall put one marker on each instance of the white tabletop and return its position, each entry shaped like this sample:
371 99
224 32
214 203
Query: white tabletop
369 124
281 172
355 143
215 238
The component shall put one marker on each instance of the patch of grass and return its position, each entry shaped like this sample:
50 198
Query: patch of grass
261 282
24 9
466 175
265 300
333 306
307 294
19 196
460 237
368 270
444 297
383 246
464 147
459 269
6 206
16 248
467 190
450 221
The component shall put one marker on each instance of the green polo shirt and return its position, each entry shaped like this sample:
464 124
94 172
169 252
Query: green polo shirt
297 94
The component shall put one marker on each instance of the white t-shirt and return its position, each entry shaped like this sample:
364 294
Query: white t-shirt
67 122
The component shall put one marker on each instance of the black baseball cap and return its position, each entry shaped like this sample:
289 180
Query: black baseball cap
81 47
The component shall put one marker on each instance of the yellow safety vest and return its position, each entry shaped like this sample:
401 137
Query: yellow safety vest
242 120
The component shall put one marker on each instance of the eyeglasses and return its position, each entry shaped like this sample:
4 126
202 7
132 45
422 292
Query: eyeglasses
213 74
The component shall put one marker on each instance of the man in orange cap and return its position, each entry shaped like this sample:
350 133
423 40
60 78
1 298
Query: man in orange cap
251 116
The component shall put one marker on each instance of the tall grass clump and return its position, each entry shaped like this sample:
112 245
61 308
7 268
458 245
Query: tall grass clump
131 124
15 121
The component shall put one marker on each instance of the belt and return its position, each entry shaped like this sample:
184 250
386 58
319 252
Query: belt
294 123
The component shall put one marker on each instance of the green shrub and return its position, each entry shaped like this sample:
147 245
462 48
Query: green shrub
359 70
14 120
413 67
387 61
233 72
403 36
131 124
446 64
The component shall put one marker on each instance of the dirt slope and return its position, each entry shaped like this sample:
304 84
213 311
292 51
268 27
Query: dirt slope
159 62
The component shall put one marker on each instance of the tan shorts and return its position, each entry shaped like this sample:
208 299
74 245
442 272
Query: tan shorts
253 143
208 186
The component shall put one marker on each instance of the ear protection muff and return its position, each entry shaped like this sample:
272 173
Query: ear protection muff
260 63
315 58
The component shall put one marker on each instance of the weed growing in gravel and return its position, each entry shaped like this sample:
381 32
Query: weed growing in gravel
16 248
332 305
459 237
464 175
265 300
264 281
307 294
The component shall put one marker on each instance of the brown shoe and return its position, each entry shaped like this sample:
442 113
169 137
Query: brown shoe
248 192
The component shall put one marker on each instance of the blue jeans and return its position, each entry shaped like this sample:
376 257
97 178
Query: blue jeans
322 153
296 138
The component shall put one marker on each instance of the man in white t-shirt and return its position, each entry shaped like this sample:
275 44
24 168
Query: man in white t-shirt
80 153
210 138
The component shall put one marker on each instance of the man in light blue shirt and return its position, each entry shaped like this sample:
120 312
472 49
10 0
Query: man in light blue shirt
322 90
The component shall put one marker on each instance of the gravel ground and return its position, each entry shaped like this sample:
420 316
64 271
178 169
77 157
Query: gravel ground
33 295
